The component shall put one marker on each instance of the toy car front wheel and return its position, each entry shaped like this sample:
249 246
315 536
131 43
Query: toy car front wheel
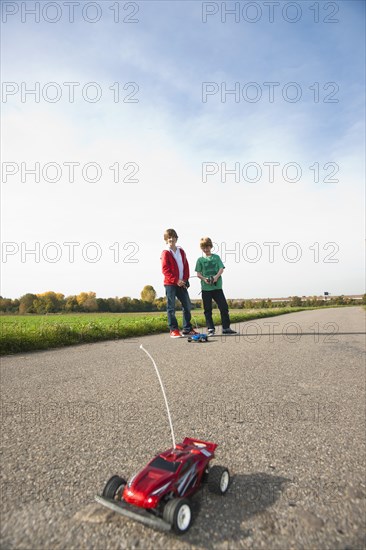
178 513
189 339
218 480
114 488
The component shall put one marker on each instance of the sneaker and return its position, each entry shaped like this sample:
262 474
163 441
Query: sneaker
211 331
191 332
228 331
175 334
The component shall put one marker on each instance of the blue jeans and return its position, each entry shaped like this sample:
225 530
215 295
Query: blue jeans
173 291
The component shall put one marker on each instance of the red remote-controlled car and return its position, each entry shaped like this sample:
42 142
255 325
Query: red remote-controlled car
159 494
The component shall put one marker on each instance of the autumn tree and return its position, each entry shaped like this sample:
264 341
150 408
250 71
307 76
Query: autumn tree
103 305
7 305
71 304
160 304
125 303
295 301
148 294
49 302
26 303
87 301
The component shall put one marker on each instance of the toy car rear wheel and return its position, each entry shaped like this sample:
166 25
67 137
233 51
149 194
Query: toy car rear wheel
189 339
218 480
114 488
178 513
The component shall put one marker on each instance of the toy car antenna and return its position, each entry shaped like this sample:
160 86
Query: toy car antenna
162 388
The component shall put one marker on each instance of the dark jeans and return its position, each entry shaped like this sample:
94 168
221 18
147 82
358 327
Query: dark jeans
172 292
219 297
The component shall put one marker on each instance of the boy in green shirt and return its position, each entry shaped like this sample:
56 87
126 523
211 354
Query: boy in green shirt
209 269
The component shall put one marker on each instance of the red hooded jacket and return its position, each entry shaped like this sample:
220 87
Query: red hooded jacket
170 267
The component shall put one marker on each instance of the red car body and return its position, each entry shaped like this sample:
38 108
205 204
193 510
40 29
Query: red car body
158 495
176 472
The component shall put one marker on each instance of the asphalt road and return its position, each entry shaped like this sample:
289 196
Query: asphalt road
285 402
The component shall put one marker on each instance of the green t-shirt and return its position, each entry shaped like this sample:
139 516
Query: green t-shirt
209 266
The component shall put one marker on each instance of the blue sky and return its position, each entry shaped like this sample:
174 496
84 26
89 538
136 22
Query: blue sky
170 133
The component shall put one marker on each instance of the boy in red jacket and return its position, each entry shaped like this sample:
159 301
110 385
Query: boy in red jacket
176 274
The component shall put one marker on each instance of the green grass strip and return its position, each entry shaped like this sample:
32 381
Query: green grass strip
22 334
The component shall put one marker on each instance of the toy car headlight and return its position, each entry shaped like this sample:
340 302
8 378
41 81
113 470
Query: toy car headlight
151 501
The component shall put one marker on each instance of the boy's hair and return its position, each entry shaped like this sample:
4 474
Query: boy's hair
170 233
205 241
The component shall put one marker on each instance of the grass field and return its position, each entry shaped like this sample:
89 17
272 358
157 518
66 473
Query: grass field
36 332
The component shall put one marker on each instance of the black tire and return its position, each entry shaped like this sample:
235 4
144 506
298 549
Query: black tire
218 480
189 339
178 513
114 488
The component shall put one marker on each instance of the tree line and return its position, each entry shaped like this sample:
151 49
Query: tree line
87 302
